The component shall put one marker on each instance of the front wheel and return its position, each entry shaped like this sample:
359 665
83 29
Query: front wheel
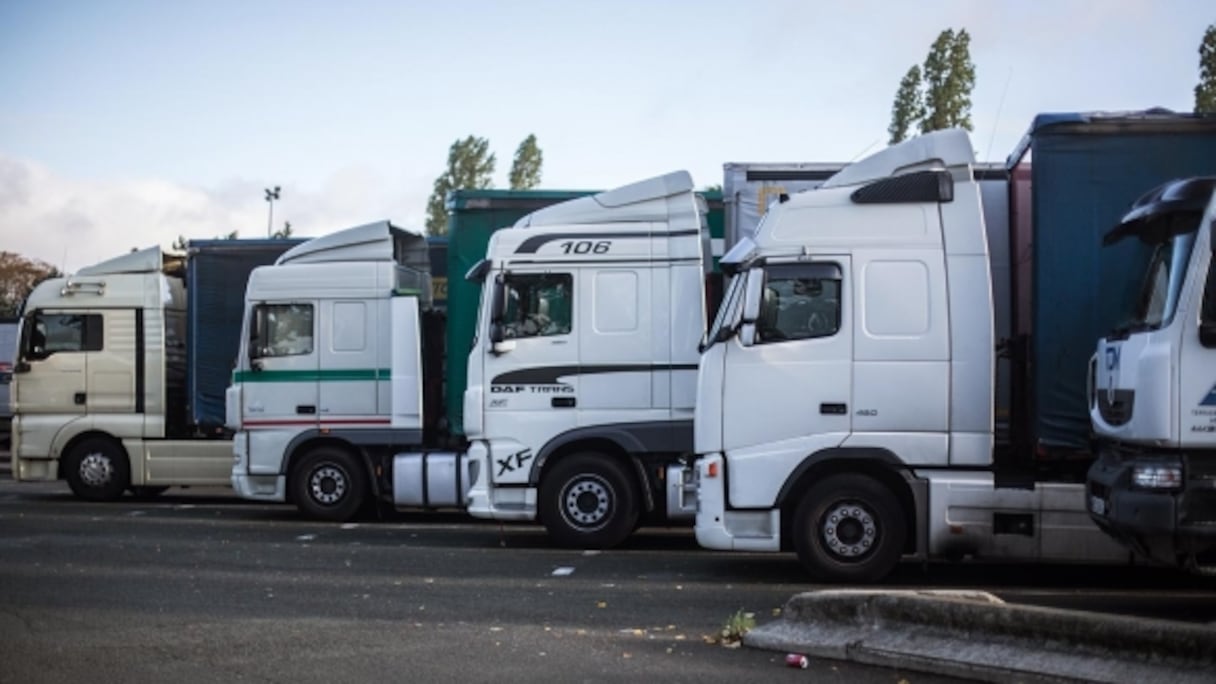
588 501
97 469
848 528
329 484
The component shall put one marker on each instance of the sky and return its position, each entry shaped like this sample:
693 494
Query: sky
126 123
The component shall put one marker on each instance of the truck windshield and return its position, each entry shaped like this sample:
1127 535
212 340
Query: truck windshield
1157 301
726 312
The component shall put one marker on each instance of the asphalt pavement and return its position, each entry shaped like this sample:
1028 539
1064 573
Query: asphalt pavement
200 586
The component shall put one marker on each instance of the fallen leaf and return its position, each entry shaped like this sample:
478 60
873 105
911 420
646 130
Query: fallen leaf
601 604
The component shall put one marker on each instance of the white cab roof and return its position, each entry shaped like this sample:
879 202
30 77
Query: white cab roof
641 202
150 260
937 150
370 242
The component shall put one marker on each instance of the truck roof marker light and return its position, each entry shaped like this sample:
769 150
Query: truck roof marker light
711 469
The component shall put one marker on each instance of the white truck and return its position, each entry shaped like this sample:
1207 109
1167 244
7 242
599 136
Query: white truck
581 377
846 399
121 370
1153 380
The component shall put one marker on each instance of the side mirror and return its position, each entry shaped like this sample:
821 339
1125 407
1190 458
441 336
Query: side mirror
1207 334
496 335
751 296
499 347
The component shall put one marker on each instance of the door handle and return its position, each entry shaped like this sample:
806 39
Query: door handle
306 410
833 409
562 402
80 398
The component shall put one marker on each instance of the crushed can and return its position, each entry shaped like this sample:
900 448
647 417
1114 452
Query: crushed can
796 660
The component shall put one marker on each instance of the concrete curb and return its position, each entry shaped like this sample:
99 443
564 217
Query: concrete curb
977 636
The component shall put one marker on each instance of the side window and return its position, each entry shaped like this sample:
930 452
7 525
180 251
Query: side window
799 302
281 330
51 333
537 305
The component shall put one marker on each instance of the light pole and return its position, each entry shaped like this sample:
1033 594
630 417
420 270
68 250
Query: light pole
271 196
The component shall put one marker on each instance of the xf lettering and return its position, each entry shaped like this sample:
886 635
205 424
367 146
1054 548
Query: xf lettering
513 461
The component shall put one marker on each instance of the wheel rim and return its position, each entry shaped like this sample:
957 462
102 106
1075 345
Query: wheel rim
327 484
96 469
849 531
587 502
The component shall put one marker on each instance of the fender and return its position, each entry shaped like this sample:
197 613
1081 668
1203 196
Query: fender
673 436
389 438
871 454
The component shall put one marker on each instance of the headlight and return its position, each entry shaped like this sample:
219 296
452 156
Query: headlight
1157 476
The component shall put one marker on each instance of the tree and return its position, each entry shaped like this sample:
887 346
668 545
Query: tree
470 165
1205 92
908 108
281 234
525 169
949 77
19 275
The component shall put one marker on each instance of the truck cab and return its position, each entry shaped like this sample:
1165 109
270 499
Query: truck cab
847 390
100 356
1153 386
582 377
330 374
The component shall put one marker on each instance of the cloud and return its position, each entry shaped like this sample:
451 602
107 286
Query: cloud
73 222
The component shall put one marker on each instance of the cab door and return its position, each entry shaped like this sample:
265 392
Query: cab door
788 373
280 386
51 373
531 361
1197 362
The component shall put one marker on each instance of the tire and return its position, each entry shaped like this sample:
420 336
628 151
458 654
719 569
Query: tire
849 528
97 469
145 493
328 484
588 501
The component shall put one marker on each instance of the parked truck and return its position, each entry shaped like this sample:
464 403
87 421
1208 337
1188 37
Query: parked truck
1153 380
576 397
121 370
847 398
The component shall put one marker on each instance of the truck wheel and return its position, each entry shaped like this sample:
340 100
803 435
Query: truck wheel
97 469
588 501
329 484
848 528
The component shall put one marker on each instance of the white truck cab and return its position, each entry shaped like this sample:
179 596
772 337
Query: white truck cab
845 404
1153 380
582 379
99 381
329 377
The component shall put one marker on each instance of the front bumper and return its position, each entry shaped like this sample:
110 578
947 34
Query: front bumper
730 530
1172 527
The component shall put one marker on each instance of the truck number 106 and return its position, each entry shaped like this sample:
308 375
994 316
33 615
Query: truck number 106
586 247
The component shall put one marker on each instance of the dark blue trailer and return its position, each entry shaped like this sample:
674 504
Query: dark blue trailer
216 273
